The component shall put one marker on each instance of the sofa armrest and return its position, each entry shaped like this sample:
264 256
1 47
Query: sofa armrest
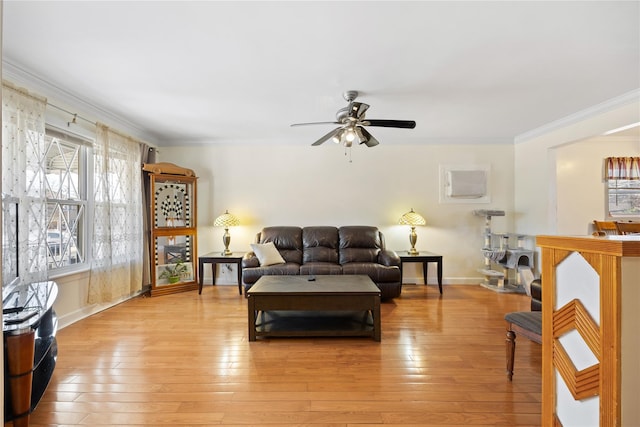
388 258
250 260
536 295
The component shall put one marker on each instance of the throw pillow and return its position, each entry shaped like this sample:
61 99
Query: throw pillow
267 254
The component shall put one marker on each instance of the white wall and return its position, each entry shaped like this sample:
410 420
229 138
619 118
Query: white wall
304 185
535 194
541 179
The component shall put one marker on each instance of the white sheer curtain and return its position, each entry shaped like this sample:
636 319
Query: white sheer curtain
23 183
117 247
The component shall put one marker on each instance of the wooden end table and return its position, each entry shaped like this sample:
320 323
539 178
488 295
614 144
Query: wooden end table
214 258
425 258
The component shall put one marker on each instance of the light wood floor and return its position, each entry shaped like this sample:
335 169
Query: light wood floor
185 360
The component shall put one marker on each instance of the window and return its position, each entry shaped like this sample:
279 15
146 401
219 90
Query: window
54 220
622 175
624 197
66 183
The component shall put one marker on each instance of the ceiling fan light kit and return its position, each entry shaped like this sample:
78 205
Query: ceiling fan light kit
352 121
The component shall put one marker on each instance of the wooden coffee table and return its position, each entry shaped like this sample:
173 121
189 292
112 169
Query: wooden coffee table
289 306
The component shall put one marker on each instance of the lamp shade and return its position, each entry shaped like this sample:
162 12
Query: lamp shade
226 220
412 218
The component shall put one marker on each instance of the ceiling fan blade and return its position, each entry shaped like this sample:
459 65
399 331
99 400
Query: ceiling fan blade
369 140
327 136
404 124
315 123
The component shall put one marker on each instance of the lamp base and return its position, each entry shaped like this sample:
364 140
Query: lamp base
226 239
413 238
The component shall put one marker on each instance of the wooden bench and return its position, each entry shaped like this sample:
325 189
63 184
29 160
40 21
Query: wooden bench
525 323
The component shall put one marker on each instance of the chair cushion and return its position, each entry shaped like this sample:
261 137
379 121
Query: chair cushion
529 320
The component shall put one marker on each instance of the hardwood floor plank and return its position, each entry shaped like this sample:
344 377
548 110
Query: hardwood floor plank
155 419
185 360
295 418
241 407
157 397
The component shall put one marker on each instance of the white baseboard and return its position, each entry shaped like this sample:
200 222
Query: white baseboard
407 281
84 312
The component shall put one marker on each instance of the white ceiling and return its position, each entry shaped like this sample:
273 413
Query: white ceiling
236 72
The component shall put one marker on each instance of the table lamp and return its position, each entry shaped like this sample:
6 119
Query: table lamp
226 220
412 218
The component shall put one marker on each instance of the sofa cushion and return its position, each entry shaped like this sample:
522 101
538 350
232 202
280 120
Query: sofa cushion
320 244
320 268
288 240
267 253
251 275
359 243
376 272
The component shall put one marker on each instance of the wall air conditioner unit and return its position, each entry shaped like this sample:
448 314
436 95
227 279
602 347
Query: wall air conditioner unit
467 184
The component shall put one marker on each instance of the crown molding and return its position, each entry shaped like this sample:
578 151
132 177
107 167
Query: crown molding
603 107
33 82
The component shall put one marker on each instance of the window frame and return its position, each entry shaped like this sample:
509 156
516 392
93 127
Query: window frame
85 183
612 190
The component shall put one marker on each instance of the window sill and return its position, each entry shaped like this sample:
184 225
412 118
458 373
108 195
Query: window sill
67 271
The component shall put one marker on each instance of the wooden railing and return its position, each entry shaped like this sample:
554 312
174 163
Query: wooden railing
590 339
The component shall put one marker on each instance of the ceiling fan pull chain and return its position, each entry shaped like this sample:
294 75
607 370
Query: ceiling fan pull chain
345 153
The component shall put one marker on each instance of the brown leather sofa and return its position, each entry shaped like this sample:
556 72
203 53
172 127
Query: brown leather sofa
322 250
536 295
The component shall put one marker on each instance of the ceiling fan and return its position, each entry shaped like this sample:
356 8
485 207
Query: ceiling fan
352 122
